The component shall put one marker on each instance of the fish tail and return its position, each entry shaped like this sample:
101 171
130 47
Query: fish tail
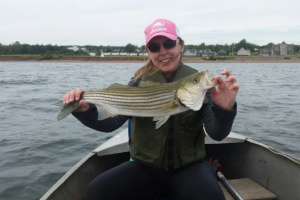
67 109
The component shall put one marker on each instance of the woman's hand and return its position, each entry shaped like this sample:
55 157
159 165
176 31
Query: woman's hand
227 90
75 95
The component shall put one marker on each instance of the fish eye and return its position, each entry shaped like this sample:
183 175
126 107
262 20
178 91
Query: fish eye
196 80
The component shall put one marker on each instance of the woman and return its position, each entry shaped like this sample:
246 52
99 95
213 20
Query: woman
168 160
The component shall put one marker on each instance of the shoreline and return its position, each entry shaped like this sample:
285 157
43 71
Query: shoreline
127 61
138 60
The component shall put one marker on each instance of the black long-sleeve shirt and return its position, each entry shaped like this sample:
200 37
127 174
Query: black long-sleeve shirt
217 121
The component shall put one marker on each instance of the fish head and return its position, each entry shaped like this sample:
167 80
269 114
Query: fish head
191 90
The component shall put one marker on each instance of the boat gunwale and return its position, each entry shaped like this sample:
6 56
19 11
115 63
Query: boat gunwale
66 176
94 153
275 151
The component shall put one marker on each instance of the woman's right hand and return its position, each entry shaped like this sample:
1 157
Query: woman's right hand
75 95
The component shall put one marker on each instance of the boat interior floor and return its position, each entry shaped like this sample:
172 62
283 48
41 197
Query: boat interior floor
247 189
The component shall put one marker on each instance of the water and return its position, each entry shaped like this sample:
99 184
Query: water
36 150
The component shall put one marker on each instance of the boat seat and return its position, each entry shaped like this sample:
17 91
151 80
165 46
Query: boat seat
248 189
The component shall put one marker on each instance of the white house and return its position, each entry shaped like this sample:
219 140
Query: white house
84 49
74 48
243 52
92 54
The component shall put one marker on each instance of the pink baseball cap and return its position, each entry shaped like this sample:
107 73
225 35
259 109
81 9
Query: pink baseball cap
161 27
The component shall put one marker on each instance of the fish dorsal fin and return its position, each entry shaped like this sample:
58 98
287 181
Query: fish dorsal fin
148 83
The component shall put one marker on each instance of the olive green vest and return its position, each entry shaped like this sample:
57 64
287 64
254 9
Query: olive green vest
177 143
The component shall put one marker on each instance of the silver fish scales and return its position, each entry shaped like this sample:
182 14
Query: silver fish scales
150 99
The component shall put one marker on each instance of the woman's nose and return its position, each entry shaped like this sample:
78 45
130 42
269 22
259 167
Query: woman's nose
162 49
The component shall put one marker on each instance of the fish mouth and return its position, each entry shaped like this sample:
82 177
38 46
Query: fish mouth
207 82
210 85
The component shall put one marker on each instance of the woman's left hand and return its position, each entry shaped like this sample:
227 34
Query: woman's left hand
227 90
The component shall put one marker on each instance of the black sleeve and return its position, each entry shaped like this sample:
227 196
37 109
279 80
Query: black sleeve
90 117
217 121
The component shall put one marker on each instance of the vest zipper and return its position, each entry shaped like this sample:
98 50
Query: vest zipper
170 144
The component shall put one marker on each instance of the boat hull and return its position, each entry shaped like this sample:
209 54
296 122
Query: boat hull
272 169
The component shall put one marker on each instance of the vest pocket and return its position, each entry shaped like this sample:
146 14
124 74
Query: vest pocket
191 142
149 141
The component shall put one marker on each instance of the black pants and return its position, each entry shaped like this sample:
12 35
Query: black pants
132 180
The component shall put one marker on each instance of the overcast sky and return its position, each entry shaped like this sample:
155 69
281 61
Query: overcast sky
117 22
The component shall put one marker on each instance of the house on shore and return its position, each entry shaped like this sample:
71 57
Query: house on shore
205 53
190 52
73 48
77 48
243 52
84 49
265 52
278 50
222 53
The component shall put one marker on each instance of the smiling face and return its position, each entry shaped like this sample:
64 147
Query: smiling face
166 60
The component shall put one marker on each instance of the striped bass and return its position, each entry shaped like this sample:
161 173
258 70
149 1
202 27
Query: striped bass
149 99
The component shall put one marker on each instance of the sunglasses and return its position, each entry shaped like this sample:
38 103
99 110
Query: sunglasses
169 44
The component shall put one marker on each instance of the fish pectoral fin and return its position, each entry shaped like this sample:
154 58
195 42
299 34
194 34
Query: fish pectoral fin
148 83
161 120
104 113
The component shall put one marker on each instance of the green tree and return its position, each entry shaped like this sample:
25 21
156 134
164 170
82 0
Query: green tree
202 46
269 45
48 55
16 43
130 48
296 48
240 44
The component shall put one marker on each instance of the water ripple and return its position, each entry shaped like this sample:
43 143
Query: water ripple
36 150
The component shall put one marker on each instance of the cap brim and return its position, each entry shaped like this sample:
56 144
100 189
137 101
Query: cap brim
168 35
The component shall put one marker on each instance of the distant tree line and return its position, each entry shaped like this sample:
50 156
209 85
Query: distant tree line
18 48
234 47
